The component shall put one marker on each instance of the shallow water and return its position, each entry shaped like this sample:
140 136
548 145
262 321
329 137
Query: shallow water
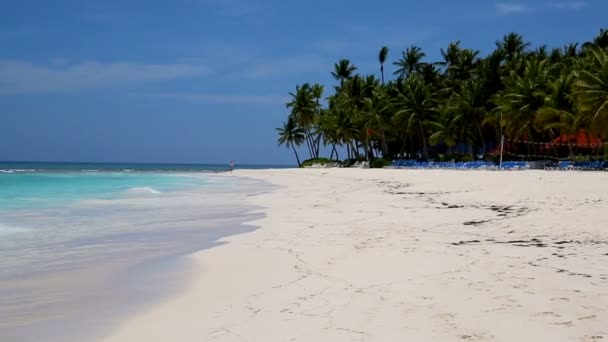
92 249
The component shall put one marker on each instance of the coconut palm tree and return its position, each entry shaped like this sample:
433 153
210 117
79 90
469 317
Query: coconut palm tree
382 56
600 41
377 112
343 70
450 56
317 94
417 106
513 46
291 135
591 87
470 107
304 109
523 96
533 93
411 60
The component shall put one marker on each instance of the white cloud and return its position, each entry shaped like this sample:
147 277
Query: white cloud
569 5
507 8
223 98
18 77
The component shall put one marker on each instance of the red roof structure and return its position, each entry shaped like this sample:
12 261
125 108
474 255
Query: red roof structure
581 139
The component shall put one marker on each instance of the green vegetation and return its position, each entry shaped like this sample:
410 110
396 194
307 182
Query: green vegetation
433 109
321 161
380 163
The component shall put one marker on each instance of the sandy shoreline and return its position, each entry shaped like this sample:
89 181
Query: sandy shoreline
394 255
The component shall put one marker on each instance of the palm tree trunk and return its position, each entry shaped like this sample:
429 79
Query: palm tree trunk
366 146
384 144
333 150
296 153
318 145
483 143
425 152
382 72
308 144
354 149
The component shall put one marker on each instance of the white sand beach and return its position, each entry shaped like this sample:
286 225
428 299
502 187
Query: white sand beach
400 255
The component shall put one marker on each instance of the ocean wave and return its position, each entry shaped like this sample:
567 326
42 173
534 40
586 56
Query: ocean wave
89 170
9 230
17 170
145 189
127 170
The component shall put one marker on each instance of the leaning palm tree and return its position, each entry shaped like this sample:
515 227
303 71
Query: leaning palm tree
343 70
382 56
304 110
291 135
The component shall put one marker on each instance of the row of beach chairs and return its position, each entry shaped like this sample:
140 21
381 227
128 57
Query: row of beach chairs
414 164
565 165
485 165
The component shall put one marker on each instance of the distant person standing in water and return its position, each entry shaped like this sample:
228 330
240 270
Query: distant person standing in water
231 165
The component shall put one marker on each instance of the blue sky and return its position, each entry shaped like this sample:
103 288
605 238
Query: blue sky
206 80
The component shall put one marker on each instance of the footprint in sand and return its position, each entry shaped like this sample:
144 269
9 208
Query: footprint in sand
565 323
476 337
546 314
560 299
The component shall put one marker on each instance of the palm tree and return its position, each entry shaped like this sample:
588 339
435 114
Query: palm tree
522 98
448 131
591 88
557 116
411 60
351 99
303 110
533 93
470 107
417 106
317 94
382 56
600 41
513 46
377 114
450 56
343 70
291 135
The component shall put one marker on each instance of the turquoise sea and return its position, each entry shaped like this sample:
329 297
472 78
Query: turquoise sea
39 184
91 242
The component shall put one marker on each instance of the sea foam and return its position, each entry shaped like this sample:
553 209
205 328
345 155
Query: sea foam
9 230
17 170
144 190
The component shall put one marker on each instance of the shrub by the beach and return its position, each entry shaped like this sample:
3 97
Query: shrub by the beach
351 162
380 163
317 161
